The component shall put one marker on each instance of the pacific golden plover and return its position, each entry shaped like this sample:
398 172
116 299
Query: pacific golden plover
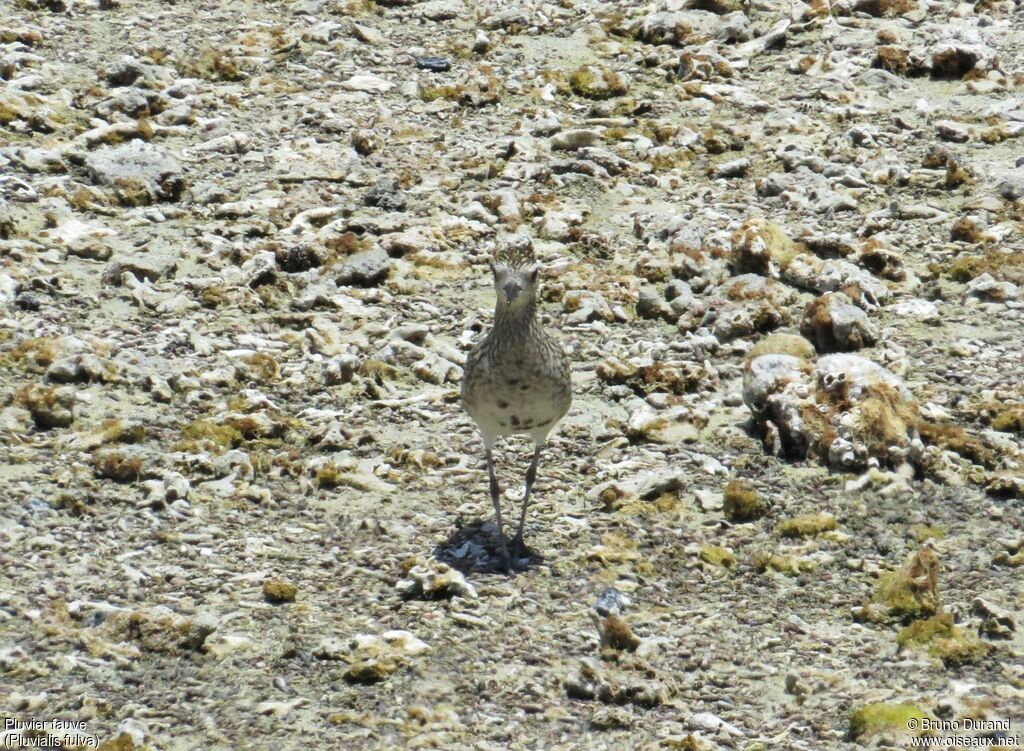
517 380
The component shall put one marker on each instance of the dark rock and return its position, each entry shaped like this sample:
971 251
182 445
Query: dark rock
364 269
386 195
299 258
28 301
124 72
436 64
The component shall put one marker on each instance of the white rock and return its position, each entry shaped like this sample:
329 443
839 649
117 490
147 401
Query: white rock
369 83
917 310
987 288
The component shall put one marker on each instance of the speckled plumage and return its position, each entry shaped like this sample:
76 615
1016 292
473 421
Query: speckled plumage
517 380
515 253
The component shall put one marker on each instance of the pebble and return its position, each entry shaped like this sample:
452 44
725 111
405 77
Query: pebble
365 268
435 64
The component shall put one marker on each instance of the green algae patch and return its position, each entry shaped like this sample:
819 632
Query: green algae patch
222 436
742 502
120 431
448 92
955 438
879 717
944 640
910 593
1001 265
791 565
596 82
807 525
1010 419
279 591
716 555
921 533
329 476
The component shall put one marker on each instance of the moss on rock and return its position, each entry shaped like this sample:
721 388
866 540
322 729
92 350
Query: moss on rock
222 436
279 591
742 502
881 717
913 591
716 555
807 525
944 640
791 565
597 82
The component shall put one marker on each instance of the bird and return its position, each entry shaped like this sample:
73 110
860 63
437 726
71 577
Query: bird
517 379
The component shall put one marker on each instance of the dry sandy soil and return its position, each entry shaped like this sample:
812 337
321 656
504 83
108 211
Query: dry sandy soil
243 255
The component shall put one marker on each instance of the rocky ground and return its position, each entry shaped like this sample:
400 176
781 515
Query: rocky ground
243 255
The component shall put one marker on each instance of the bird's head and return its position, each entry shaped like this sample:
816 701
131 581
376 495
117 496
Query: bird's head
516 274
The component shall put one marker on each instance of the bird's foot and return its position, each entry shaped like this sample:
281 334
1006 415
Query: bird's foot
519 547
505 560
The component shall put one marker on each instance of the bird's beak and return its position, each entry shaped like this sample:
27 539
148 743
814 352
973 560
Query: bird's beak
512 291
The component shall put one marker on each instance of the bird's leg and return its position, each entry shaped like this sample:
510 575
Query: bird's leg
496 499
531 475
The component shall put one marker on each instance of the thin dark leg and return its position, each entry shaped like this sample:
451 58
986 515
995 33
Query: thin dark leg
531 475
496 499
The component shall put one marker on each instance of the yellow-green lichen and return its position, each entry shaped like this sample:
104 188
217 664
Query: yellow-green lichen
1010 419
596 82
919 533
944 640
880 717
913 591
742 502
791 565
278 591
955 438
207 431
329 476
807 525
716 555
449 92
1006 266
